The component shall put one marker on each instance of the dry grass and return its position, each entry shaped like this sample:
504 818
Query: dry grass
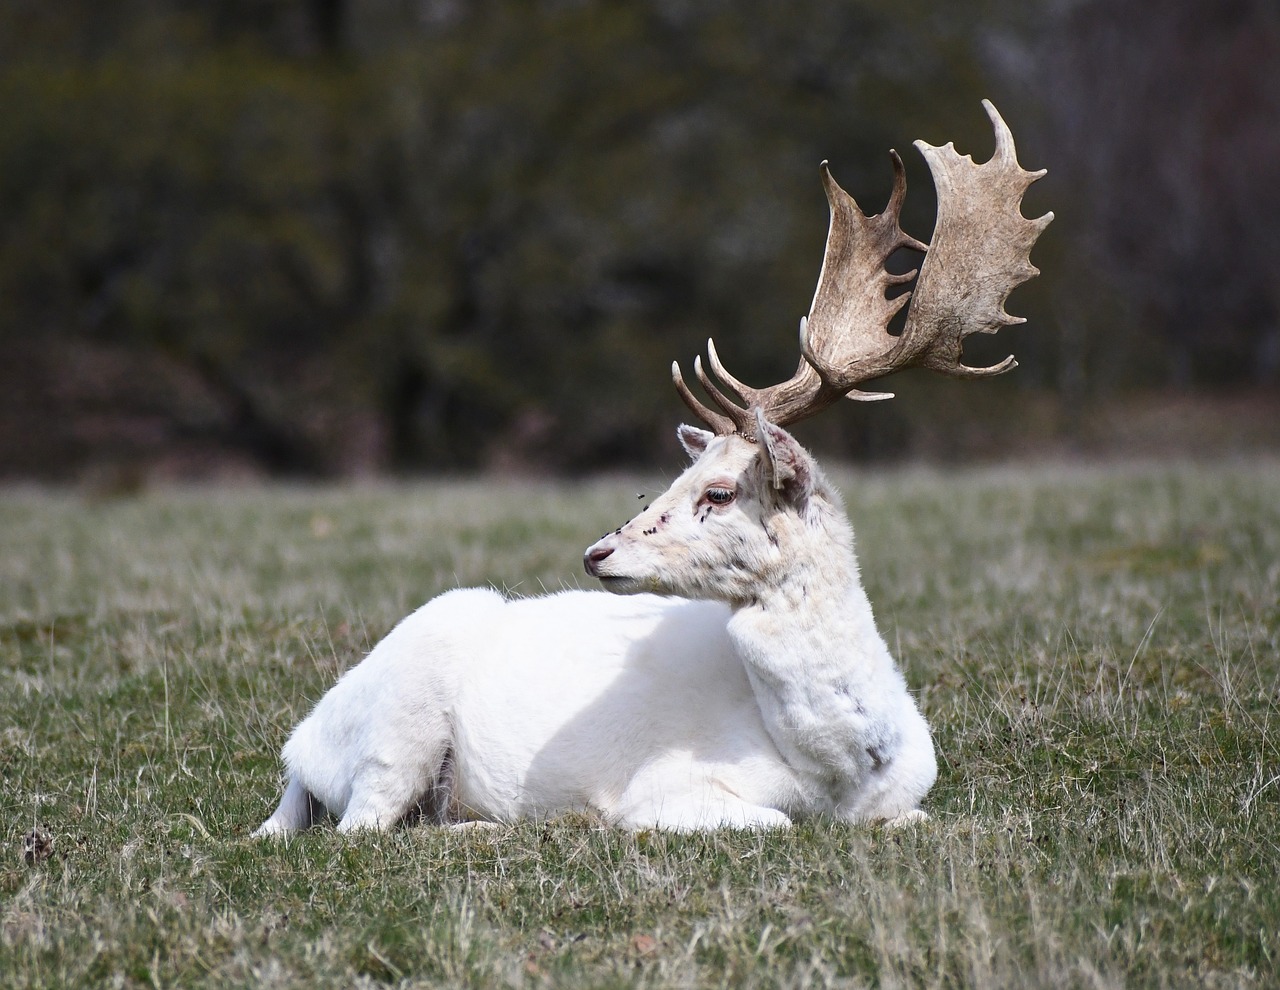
1097 649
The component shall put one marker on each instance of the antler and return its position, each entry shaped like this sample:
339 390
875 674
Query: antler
980 252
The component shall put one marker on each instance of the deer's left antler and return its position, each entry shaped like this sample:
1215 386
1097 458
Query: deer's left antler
979 252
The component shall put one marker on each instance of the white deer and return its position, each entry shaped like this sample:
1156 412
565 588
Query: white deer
736 676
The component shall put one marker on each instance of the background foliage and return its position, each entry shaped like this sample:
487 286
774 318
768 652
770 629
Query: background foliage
324 237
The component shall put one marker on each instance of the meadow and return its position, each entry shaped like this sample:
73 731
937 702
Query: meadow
1096 647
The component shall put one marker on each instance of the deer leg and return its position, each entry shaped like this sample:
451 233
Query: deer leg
372 810
380 801
474 825
751 816
386 795
295 811
893 791
907 818
696 812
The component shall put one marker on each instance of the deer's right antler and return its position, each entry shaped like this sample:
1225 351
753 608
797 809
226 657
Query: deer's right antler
980 252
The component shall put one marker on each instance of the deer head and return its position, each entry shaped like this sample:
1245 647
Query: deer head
729 527
731 522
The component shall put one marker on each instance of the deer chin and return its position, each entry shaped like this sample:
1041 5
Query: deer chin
623 584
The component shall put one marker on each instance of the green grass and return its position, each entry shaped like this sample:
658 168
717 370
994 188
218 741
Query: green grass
1098 651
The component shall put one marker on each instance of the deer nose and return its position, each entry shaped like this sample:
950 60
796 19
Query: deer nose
591 559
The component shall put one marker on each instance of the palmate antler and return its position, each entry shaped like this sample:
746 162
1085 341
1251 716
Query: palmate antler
980 252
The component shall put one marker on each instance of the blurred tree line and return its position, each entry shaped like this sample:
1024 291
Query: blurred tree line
322 236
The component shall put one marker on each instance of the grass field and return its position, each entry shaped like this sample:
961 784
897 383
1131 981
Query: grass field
1098 650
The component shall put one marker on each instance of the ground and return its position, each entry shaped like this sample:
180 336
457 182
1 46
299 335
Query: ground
1097 649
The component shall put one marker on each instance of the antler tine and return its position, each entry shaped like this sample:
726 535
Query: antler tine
1005 150
897 197
784 403
735 413
733 418
814 361
718 423
745 394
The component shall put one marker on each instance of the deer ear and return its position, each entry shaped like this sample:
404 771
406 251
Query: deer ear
788 466
693 440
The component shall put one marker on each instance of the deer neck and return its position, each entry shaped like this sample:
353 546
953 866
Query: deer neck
815 587
823 677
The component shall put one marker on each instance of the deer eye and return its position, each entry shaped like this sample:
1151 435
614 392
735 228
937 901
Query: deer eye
719 496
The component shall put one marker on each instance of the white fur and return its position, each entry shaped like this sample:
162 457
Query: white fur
771 697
